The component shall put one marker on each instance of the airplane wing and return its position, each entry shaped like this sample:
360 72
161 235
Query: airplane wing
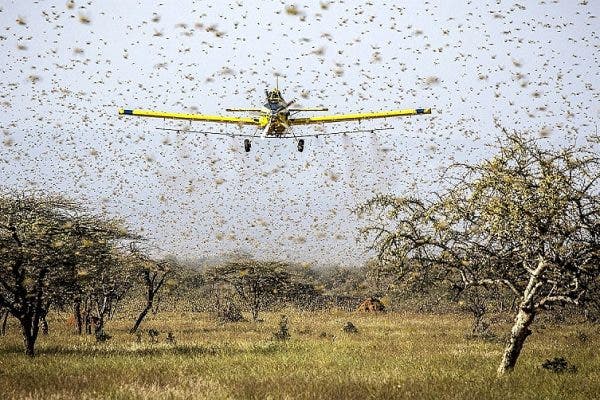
359 116
195 117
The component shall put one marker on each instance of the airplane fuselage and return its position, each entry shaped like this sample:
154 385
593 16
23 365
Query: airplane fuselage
276 116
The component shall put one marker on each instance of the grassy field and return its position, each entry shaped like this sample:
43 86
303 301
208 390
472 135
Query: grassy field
392 356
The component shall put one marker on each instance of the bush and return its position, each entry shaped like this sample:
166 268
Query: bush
153 334
582 337
102 336
284 332
350 328
230 313
486 336
171 338
559 365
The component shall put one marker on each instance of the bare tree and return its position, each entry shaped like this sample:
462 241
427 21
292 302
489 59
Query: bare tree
475 300
528 220
153 275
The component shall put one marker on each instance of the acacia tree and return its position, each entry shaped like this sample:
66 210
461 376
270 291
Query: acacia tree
257 283
527 219
44 240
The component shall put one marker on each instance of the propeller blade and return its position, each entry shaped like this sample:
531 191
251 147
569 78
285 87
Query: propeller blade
266 130
285 107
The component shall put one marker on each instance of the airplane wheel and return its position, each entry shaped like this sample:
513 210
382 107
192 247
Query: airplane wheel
247 145
301 145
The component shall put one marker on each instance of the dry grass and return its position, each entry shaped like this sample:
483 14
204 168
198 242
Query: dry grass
392 356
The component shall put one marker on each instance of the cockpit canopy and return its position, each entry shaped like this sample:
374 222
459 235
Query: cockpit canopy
274 95
274 99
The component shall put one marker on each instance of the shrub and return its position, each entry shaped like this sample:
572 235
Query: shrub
230 313
559 365
283 333
153 334
350 328
171 338
582 337
102 336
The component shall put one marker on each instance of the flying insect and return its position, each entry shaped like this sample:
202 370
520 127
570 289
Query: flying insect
275 119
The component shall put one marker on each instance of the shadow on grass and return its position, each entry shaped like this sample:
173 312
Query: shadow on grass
149 351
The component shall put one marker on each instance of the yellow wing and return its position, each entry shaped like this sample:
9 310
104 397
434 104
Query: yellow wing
195 117
357 117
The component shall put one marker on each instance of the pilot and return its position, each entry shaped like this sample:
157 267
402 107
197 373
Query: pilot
274 100
274 96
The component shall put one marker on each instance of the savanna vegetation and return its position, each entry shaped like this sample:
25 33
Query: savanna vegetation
502 266
393 355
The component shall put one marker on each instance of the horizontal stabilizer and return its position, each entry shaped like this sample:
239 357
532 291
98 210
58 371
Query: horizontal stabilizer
308 109
245 109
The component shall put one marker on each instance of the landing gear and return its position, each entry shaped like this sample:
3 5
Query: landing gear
300 145
247 145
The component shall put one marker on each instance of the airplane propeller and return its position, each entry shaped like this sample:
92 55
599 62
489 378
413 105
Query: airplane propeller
266 130
285 107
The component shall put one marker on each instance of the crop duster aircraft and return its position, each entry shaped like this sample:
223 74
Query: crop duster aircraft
276 119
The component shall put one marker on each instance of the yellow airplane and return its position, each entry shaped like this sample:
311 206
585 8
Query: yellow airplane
276 119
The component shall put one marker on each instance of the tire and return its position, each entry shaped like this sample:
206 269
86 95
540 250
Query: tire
247 145
301 145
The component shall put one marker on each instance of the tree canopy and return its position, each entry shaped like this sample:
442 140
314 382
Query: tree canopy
48 244
256 283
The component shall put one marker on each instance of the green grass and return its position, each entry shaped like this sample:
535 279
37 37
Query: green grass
393 356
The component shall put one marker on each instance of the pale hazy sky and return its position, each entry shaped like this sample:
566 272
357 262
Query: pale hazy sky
68 66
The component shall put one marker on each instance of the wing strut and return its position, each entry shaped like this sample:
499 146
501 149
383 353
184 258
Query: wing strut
293 136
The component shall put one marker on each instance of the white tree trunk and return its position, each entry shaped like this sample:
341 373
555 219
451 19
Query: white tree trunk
520 330
519 333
